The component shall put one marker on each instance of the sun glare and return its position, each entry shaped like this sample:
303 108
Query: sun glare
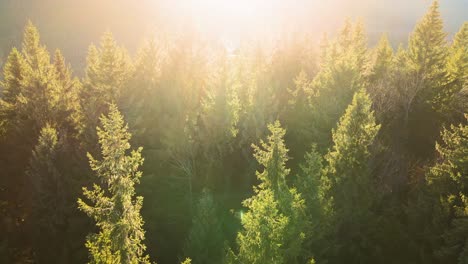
231 17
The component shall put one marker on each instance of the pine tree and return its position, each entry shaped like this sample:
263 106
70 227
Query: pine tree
458 61
308 181
107 73
457 68
30 87
114 207
69 89
382 60
50 208
299 118
340 76
37 92
205 239
379 81
144 101
13 73
264 231
427 54
33 99
449 181
428 89
273 226
347 187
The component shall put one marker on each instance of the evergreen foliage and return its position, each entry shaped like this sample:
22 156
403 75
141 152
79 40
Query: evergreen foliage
113 206
374 172
347 185
449 180
205 240
273 225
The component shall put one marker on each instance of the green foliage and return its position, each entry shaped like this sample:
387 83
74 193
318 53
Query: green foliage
307 183
265 230
114 208
457 68
205 239
347 185
13 72
382 60
427 56
273 225
449 180
49 189
187 261
107 73
378 195
35 93
340 76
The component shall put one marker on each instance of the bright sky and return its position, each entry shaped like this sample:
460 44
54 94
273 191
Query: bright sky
241 18
72 25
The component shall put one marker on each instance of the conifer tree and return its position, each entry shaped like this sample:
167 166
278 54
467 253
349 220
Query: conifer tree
428 91
340 76
32 84
383 58
381 85
50 208
449 180
38 95
458 61
34 99
218 121
205 239
144 101
457 68
299 117
347 185
70 88
274 224
107 74
307 182
114 206
427 54
13 74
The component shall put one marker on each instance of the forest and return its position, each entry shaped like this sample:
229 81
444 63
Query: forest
190 152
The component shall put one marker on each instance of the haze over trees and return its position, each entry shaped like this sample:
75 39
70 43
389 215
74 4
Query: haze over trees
190 152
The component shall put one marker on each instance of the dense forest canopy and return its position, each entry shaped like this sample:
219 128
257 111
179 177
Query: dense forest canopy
326 148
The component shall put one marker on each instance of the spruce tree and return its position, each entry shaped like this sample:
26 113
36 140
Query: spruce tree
347 187
299 118
457 68
340 76
382 60
70 88
205 240
448 179
114 206
33 99
31 80
273 226
428 89
38 93
107 73
379 81
13 74
458 59
50 208
307 183
427 55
